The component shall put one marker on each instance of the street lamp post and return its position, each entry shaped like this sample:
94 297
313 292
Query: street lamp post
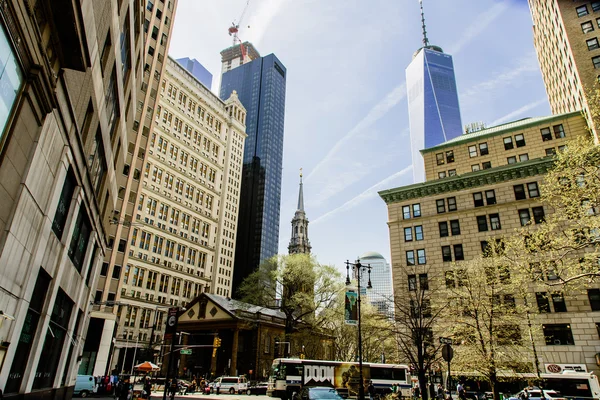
153 329
359 268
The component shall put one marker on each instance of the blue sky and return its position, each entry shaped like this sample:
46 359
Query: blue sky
346 120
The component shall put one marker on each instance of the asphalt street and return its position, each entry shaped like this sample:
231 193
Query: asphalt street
157 395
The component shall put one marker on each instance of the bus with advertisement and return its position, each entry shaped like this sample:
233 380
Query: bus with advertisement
289 375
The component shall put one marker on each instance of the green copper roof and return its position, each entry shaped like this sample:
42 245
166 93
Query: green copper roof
484 177
501 130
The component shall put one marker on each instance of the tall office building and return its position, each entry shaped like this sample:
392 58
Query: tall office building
260 85
236 55
299 243
197 69
67 81
183 236
565 34
437 224
433 109
381 296
149 59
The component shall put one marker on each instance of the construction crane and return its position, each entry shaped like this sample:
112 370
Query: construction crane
234 28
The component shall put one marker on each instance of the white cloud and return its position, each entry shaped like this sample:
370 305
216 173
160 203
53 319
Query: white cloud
367 194
260 20
519 111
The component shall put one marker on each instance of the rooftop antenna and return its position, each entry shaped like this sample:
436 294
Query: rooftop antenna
425 40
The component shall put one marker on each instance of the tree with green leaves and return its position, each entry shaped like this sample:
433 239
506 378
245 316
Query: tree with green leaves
297 285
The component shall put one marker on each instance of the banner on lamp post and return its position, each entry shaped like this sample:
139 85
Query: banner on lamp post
351 307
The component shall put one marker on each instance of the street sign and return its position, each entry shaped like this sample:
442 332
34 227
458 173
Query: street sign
447 352
185 351
445 340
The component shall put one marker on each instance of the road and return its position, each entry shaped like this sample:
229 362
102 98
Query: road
157 396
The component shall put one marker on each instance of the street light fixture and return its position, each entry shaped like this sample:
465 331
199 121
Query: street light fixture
359 268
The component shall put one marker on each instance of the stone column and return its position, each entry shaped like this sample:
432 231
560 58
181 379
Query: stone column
234 351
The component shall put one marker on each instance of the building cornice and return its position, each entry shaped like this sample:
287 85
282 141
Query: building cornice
538 166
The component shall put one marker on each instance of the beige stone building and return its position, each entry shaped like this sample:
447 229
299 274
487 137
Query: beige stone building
69 76
479 186
182 240
154 24
567 42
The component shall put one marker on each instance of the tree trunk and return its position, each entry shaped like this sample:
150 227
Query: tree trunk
423 384
494 385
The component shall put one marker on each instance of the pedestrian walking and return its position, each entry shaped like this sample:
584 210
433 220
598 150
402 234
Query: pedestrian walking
440 392
371 390
416 391
461 391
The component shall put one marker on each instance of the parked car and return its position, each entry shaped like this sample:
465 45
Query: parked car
257 388
318 393
85 385
536 394
230 384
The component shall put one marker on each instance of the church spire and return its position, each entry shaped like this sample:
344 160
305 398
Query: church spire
299 242
301 194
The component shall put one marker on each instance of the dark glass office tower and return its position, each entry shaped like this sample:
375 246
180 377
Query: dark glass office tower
260 85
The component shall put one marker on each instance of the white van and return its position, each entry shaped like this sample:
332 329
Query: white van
85 385
230 384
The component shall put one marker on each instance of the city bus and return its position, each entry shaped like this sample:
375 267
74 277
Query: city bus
289 375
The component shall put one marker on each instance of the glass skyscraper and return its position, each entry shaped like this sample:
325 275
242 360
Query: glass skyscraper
433 109
260 84
381 296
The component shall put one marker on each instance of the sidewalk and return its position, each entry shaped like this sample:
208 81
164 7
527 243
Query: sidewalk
159 395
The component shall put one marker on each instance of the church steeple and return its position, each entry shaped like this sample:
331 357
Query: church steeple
299 242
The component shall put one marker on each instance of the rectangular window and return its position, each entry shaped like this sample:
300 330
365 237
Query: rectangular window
523 157
472 151
524 216
418 232
490 197
596 62
532 188
96 162
64 203
538 214
116 274
520 140
486 165
104 269
423 282
455 227
412 283
441 206
482 225
446 253
511 160
408 236
587 27
508 143
410 257
406 212
416 208
594 297
483 149
542 302
559 131
582 11
458 252
595 6
451 203
475 168
478 199
558 300
80 238
450 156
443 229
551 151
546 134
441 175
439 158
495 222
519 192
592 44
421 259
558 334
451 172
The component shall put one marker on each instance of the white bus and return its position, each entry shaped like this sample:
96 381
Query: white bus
289 375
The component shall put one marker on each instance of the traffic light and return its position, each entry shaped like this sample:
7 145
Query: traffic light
216 342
